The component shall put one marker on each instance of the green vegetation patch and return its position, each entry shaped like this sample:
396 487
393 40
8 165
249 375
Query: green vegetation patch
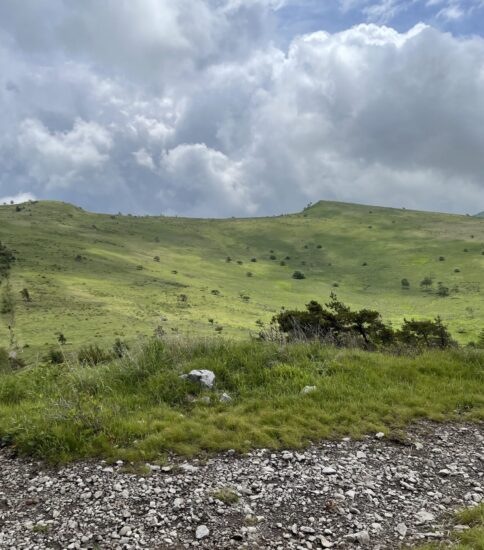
465 539
138 408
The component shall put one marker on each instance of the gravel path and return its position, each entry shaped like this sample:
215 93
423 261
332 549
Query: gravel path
374 493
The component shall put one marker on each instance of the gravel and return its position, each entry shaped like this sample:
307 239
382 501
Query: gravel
375 493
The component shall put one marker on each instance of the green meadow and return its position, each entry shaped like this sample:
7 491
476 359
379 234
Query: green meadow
203 287
96 277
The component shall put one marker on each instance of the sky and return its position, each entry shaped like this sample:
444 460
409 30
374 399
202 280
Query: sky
217 108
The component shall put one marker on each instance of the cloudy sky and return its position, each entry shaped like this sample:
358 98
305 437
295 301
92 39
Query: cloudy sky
242 107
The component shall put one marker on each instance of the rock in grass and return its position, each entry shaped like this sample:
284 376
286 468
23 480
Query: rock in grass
202 532
225 398
203 377
308 389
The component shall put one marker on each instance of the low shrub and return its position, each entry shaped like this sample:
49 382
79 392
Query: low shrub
92 355
55 357
338 324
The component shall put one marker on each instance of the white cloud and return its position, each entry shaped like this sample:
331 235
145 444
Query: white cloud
201 179
58 159
19 198
207 117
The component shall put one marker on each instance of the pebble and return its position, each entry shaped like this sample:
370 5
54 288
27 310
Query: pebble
337 494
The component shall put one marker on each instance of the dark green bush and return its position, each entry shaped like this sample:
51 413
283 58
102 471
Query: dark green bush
120 348
298 275
55 357
92 355
338 324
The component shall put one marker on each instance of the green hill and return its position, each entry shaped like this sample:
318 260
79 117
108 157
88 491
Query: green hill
480 215
96 277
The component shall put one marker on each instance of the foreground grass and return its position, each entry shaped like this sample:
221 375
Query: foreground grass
470 539
138 408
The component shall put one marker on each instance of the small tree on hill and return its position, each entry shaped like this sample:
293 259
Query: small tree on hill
298 275
426 283
25 295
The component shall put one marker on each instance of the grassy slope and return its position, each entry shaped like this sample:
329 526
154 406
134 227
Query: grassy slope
105 295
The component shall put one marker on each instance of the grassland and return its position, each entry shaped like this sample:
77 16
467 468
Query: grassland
138 408
94 278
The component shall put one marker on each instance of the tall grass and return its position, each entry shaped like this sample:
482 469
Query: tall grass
139 408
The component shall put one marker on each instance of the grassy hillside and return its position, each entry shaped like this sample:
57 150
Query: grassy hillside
93 277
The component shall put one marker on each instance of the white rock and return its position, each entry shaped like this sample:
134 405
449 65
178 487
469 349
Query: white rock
203 377
202 532
189 468
401 529
363 537
423 516
380 435
178 503
328 470
308 389
324 542
225 398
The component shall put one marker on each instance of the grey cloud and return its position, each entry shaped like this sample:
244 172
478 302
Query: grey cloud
111 121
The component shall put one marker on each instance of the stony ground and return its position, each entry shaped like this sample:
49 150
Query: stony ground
376 493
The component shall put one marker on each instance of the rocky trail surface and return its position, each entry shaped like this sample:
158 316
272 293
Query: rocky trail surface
375 493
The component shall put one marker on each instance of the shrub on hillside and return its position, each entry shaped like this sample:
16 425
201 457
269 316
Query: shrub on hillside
55 357
25 295
298 275
6 260
405 283
338 324
426 283
120 348
443 290
92 355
